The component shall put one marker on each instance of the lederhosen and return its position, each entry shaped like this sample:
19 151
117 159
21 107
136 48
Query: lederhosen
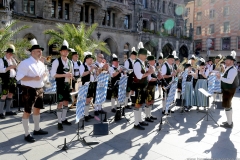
76 77
85 79
168 73
63 88
130 77
228 90
8 83
140 86
115 87
150 91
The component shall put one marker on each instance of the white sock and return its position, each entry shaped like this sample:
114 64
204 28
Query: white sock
140 115
160 90
229 116
100 107
118 104
86 109
64 113
136 122
36 120
146 112
25 126
126 101
59 115
96 107
150 110
113 102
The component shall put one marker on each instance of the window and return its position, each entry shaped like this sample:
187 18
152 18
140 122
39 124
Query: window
226 43
213 45
199 16
163 7
226 11
60 9
92 16
212 14
144 24
226 27
113 20
126 22
53 9
199 30
86 13
144 2
81 15
187 12
199 2
108 18
66 13
29 6
211 29
198 45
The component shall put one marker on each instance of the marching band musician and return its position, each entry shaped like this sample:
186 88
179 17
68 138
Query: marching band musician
62 71
7 74
76 68
150 91
115 72
140 83
168 72
201 76
229 84
32 73
128 64
159 65
210 66
101 67
87 74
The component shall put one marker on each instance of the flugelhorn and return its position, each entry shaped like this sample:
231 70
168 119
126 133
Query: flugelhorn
125 70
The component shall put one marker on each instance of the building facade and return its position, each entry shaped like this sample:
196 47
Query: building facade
217 22
122 23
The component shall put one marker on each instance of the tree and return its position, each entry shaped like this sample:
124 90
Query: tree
6 37
79 38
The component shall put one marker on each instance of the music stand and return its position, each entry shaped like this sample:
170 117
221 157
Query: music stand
51 91
208 95
18 98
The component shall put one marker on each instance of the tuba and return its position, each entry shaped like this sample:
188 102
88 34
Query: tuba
219 63
181 65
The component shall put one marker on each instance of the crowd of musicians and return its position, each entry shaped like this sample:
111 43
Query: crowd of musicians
147 75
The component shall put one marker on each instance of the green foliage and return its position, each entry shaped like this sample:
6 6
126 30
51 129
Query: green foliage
21 46
6 35
79 38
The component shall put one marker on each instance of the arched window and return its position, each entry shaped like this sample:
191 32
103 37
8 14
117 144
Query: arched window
29 36
29 6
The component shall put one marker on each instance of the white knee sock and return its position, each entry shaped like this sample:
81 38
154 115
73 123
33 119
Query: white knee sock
118 104
229 116
136 122
99 107
25 126
64 112
150 110
146 112
140 115
59 115
96 107
126 101
36 120
86 109
2 103
113 102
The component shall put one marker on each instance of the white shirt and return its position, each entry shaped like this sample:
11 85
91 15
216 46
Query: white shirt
3 69
55 64
137 69
164 69
210 67
231 75
112 71
31 68
99 64
150 76
76 68
82 68
126 63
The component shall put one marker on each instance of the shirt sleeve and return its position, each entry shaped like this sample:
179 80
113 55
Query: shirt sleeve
137 70
2 68
53 71
111 71
206 73
149 76
164 70
232 73
22 71
126 64
82 70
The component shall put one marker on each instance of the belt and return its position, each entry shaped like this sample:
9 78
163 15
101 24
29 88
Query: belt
30 87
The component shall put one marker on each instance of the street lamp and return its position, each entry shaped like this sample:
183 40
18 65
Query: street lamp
98 35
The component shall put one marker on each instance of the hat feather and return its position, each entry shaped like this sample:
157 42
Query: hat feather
140 45
133 49
33 42
87 53
12 46
174 53
114 55
202 60
149 53
65 43
220 56
233 53
161 54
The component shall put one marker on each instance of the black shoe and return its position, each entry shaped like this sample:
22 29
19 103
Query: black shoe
224 122
139 127
65 122
113 110
170 111
143 123
226 125
86 118
29 138
154 118
90 116
11 113
129 100
60 127
163 112
102 111
148 119
96 113
40 132
2 116
133 104
128 107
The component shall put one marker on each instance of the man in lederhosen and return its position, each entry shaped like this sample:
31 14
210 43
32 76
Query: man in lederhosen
76 67
115 72
168 73
139 84
31 72
62 71
100 67
128 64
229 84
87 74
7 74
150 91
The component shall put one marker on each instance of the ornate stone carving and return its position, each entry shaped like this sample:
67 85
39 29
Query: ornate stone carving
76 12
47 9
100 16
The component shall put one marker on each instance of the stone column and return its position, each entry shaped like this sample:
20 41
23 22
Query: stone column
159 46
84 14
177 47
